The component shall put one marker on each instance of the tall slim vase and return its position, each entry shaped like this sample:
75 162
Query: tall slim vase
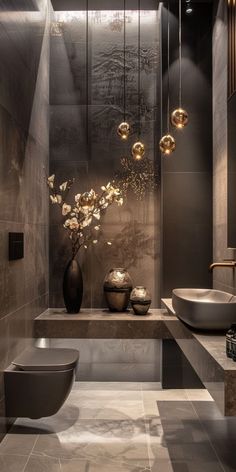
73 286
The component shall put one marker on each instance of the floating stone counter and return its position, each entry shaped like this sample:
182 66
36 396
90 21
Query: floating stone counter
101 324
204 351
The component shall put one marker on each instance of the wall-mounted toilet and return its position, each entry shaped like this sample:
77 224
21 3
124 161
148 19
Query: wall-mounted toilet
38 381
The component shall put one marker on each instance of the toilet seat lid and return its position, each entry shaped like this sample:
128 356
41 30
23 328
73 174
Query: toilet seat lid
35 358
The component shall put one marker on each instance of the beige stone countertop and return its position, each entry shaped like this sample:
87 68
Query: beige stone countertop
101 323
213 343
155 314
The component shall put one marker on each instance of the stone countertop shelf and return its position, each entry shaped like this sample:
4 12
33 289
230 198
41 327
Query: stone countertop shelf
101 324
204 351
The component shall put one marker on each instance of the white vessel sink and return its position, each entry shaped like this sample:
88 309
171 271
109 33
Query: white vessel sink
204 308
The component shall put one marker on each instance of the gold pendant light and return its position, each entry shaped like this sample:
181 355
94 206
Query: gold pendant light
138 148
179 117
167 143
123 129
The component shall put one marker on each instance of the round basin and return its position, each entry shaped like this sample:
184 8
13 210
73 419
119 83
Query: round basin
206 309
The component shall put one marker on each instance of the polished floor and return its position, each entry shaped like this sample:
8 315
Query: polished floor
124 427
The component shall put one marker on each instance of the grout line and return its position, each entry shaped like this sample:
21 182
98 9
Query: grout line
145 425
25 304
30 453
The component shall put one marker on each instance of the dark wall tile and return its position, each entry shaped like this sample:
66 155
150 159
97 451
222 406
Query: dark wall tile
187 198
187 256
24 155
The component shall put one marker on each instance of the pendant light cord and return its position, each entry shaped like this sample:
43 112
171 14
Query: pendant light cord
180 54
124 82
87 73
168 67
139 67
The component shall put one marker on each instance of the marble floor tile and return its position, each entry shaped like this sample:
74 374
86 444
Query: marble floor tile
198 395
104 465
98 395
176 411
130 427
151 386
19 441
74 465
112 411
45 426
165 395
161 465
113 386
184 434
42 464
150 409
189 431
192 452
101 409
12 463
88 439
151 397
208 411
197 467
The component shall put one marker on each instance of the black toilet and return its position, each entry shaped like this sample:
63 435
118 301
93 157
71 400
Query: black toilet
38 381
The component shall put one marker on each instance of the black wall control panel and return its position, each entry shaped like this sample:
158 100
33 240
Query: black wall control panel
16 246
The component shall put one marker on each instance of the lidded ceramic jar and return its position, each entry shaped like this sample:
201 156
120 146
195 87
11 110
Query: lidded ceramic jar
117 287
140 300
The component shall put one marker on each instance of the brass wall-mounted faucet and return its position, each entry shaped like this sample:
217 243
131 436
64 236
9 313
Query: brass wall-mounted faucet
226 263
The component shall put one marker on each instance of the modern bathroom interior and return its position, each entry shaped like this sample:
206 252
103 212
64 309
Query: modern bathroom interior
117 236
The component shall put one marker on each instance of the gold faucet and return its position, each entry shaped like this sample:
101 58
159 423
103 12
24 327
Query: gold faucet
226 263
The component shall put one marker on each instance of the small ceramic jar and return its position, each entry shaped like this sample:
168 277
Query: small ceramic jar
140 300
117 287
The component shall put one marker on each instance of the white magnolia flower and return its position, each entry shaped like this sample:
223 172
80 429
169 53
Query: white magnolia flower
66 209
63 186
96 214
109 243
71 223
84 210
97 227
77 197
103 203
86 222
59 199
51 180
95 241
53 199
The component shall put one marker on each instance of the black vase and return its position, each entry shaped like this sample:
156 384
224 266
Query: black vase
73 287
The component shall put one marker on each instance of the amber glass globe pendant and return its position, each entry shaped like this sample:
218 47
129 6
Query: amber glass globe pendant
179 117
123 129
167 143
138 148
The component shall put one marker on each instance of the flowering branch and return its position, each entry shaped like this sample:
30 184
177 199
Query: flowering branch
87 209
